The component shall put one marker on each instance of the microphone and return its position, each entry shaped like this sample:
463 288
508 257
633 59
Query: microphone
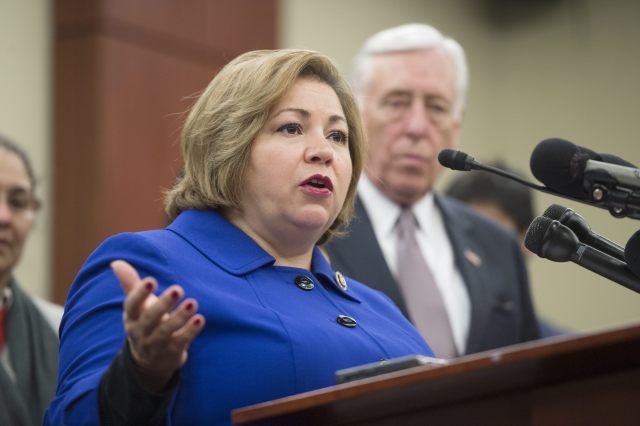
554 163
552 240
605 180
619 204
621 176
614 159
632 253
582 230
458 160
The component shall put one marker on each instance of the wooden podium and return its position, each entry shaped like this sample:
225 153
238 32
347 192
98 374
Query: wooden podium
588 379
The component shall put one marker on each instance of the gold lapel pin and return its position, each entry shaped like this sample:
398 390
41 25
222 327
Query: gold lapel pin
473 258
341 281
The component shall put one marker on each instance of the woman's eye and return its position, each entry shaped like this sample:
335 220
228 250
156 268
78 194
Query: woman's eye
19 200
291 129
339 136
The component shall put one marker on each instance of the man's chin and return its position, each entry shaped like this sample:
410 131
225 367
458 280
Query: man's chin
407 194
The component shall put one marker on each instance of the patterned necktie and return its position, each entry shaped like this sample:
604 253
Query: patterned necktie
421 294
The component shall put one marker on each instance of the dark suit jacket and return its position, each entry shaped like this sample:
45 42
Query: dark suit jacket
501 308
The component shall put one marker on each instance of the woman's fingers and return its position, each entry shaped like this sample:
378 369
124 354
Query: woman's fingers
137 290
172 323
139 298
185 334
165 349
159 328
160 311
127 275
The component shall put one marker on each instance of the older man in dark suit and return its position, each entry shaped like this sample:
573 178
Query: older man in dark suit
459 277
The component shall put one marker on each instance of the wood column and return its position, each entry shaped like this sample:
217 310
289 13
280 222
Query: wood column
125 72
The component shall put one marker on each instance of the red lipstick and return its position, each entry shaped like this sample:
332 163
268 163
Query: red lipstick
318 185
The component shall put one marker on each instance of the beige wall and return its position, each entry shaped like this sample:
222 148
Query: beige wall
25 98
568 70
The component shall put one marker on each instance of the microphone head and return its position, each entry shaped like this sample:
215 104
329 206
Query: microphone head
559 165
555 211
535 234
632 253
455 160
551 240
572 220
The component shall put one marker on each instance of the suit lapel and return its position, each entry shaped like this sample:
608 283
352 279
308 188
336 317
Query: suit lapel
470 262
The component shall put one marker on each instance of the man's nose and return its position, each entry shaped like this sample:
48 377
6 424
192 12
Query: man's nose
417 121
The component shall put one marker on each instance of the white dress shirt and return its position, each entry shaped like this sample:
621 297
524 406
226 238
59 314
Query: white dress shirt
435 245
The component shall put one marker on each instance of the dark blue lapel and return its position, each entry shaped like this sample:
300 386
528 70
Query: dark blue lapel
470 258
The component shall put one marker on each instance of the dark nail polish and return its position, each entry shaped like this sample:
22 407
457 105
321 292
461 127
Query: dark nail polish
148 286
175 294
189 306
197 322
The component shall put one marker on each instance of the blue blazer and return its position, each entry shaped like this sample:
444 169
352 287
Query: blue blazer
488 257
265 337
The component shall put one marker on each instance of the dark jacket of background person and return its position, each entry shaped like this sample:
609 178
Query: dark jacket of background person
31 347
507 202
487 257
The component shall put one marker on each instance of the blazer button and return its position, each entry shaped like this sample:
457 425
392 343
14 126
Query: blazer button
304 283
347 321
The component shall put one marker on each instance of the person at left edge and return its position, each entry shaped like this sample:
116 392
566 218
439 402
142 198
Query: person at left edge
272 154
28 324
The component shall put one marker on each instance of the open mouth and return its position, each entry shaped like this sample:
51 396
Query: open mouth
318 183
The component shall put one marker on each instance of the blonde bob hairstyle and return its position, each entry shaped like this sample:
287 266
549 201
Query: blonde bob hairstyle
223 123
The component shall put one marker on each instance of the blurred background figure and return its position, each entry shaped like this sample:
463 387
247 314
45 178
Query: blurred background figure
459 277
507 202
28 326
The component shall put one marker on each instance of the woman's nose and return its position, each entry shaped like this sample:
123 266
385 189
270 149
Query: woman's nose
5 210
319 150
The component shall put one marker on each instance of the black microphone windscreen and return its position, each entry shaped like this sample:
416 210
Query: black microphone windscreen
554 162
632 253
456 160
534 237
555 211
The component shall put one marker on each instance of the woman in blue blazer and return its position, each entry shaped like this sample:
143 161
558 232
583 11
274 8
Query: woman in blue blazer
237 304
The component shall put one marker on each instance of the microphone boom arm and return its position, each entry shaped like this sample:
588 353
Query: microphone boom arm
625 204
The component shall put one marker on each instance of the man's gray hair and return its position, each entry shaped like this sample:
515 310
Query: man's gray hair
410 37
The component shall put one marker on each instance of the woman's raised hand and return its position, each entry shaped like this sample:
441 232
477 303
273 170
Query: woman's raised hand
159 328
